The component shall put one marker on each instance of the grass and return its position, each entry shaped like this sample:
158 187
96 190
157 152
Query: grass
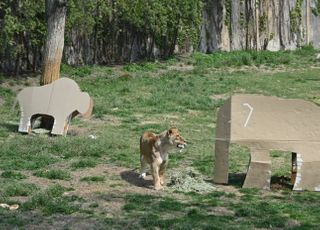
52 201
93 179
53 174
84 163
13 175
131 99
18 189
204 211
256 58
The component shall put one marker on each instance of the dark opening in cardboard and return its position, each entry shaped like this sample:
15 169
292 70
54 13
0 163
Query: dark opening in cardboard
42 121
281 170
294 168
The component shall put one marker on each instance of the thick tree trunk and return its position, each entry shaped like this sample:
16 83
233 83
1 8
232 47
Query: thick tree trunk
307 22
212 27
56 14
257 16
236 32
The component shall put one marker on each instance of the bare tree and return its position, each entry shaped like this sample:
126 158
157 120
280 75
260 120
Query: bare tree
56 15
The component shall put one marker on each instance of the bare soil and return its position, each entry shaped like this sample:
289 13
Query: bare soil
107 194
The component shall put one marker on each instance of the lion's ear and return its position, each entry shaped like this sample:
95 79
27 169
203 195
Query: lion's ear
169 132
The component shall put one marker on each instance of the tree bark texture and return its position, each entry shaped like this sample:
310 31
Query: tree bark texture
56 15
212 28
263 25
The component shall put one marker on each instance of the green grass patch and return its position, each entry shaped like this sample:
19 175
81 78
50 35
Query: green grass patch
19 189
132 99
13 175
170 213
25 152
256 58
242 58
93 179
142 67
53 201
82 71
84 163
54 174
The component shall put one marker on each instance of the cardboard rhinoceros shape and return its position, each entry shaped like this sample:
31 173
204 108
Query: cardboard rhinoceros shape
262 124
61 99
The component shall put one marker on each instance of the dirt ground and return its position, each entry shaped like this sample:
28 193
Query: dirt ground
119 181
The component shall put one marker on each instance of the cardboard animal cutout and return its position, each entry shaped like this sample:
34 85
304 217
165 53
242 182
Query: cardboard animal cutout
264 123
61 99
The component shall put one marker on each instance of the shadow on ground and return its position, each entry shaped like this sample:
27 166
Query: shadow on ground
237 179
132 177
9 127
280 183
277 182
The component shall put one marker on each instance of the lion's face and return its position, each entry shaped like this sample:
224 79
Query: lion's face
176 139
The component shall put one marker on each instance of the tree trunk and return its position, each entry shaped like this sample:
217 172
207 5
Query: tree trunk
211 29
236 31
307 22
257 16
56 14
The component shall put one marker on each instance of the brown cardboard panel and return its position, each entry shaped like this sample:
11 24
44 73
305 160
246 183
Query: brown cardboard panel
264 123
258 175
222 144
60 99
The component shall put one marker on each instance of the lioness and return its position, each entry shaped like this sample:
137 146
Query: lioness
154 151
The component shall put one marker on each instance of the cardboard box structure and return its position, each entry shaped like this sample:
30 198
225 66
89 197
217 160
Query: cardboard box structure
264 123
61 100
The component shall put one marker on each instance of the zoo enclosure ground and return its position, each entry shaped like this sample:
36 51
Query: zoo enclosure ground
79 182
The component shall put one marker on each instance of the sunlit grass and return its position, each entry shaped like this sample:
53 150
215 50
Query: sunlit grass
134 98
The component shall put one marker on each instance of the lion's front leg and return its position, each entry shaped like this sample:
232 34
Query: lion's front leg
155 174
162 170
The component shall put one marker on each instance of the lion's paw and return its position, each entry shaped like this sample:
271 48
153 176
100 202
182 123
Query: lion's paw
142 175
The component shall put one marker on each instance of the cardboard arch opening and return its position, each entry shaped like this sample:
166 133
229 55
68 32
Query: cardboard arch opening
236 171
42 121
283 169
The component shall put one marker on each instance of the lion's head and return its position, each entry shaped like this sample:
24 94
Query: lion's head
175 138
